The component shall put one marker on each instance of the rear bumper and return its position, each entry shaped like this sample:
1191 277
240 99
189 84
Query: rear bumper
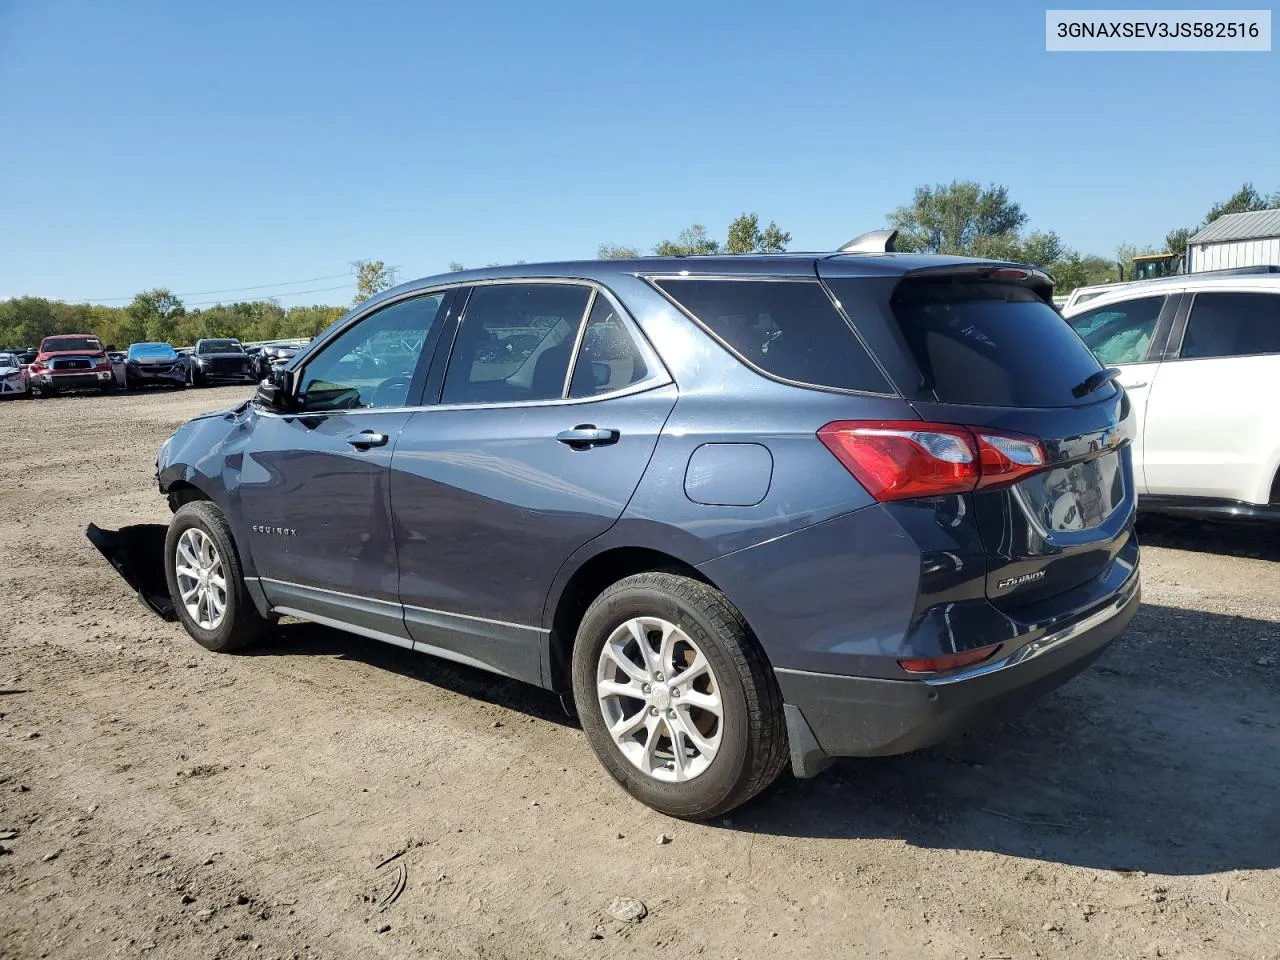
837 716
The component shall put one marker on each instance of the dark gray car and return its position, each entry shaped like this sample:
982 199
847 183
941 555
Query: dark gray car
219 361
749 510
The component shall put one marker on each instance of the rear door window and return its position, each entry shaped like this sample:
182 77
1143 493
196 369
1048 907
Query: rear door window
609 358
990 344
1232 325
1119 332
786 328
515 343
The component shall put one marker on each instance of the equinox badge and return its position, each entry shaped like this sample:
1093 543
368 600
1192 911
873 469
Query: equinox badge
1020 581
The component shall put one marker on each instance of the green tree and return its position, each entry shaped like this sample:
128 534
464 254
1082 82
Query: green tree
455 267
1245 200
1074 270
1041 248
616 251
745 236
372 277
153 315
693 241
960 218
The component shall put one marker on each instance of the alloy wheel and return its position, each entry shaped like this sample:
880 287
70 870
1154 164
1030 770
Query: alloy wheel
202 579
660 699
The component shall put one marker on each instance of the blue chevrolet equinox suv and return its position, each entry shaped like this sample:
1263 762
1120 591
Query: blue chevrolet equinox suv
750 511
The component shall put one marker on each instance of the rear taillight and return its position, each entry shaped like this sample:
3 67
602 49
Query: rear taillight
904 459
948 661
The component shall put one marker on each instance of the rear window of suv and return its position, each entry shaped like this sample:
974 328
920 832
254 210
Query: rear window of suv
990 344
788 329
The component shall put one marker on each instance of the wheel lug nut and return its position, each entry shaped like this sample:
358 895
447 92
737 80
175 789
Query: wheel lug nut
671 714
653 711
658 676
647 689
675 691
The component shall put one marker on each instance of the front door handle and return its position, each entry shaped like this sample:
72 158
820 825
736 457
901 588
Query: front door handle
366 439
586 435
1133 386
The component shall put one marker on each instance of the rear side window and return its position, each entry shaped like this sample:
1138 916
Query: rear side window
787 328
1119 332
1232 325
516 343
609 358
990 344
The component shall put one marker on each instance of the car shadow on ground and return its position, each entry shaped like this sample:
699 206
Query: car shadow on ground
296 638
1167 769
1257 540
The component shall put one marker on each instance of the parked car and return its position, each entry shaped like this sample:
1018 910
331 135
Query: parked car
1200 357
748 510
154 364
117 358
75 361
273 356
13 376
219 361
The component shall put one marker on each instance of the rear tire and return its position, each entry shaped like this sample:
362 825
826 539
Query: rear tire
200 555
702 658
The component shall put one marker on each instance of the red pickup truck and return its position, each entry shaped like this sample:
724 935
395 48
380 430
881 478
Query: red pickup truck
74 361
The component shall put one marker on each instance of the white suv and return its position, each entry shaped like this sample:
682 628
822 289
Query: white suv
1200 360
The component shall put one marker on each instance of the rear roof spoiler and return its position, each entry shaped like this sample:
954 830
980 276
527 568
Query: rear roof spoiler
877 241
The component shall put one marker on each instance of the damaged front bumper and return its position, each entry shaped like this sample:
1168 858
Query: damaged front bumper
137 553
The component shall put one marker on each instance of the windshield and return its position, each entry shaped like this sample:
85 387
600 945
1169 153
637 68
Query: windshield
8 361
162 350
220 346
54 344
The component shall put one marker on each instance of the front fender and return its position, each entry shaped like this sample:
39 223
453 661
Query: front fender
207 454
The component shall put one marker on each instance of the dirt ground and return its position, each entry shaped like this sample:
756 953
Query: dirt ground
327 796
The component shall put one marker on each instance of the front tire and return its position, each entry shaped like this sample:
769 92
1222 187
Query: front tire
676 697
206 581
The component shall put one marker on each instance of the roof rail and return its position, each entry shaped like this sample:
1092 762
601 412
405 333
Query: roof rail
877 241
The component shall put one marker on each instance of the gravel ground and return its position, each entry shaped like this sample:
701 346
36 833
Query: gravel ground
327 796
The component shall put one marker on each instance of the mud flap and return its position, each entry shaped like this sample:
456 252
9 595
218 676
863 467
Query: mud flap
137 553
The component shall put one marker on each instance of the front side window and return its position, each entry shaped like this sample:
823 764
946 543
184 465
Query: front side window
371 363
1119 332
609 358
1232 325
515 343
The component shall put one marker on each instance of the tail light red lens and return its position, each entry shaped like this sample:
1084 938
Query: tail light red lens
905 459
948 661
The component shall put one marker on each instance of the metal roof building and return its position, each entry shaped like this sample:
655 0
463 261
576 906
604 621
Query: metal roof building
1236 240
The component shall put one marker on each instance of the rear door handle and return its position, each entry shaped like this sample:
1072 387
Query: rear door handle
586 435
366 439
1133 386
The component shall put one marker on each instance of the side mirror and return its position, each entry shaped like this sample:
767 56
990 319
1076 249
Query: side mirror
276 392
601 373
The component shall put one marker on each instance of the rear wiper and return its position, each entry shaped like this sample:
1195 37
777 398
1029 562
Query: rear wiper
1094 381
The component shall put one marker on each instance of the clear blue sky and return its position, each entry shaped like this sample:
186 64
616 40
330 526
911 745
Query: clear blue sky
204 146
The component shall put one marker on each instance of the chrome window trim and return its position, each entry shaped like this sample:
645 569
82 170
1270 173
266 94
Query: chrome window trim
658 378
577 342
653 278
396 605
